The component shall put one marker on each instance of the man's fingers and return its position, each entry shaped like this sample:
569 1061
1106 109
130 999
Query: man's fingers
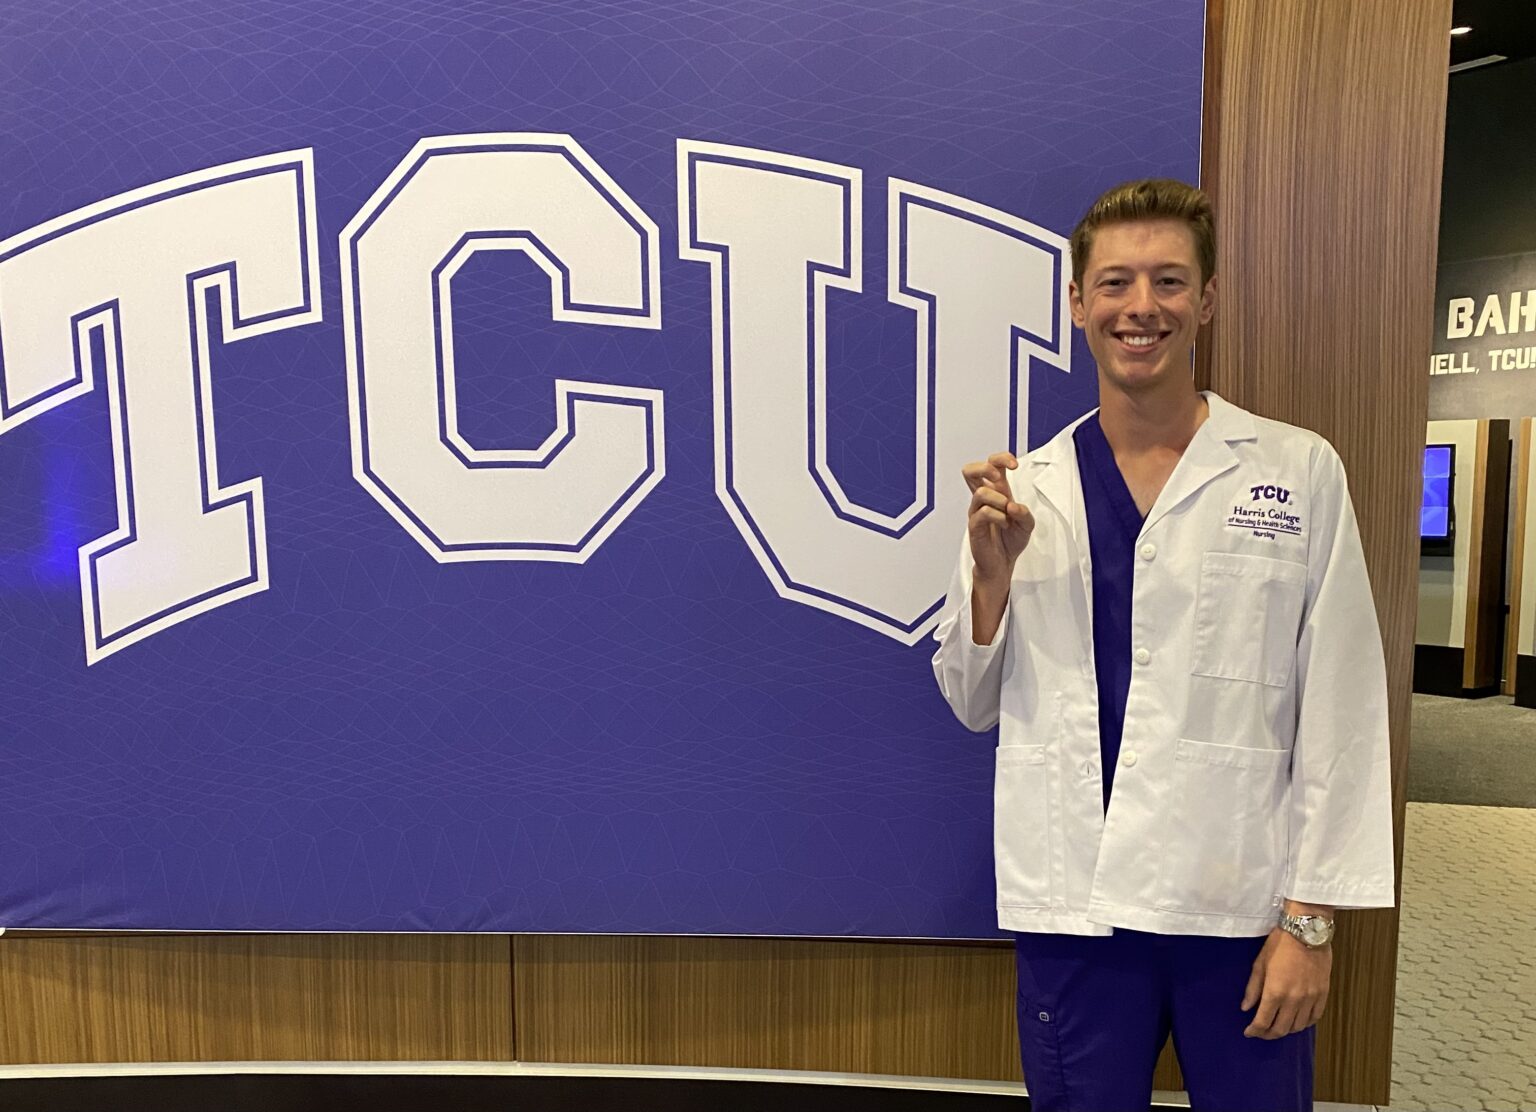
1016 514
1021 525
1288 1017
1255 988
993 472
1263 1019
1315 1013
1291 1018
1285 1020
986 496
994 479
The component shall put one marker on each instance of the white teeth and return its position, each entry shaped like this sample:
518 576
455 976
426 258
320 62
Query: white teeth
1140 341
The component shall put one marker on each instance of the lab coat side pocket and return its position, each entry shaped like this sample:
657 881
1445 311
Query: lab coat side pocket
1248 617
1225 851
1021 817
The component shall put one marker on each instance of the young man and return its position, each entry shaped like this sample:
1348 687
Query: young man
1166 613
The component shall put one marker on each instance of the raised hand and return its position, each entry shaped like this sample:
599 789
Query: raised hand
999 527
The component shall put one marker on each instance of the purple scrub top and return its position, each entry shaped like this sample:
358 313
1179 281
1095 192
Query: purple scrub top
1114 523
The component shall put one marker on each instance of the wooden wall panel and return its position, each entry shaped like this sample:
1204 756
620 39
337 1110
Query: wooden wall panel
1517 585
187 998
1473 665
862 1007
913 1009
1486 618
1328 177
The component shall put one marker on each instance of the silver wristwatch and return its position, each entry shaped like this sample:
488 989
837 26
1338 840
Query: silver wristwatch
1313 931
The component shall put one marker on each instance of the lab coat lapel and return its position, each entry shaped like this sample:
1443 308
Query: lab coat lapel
1055 480
1209 455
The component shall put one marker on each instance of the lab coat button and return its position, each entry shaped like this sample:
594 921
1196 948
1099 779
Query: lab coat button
1143 656
1128 758
1148 551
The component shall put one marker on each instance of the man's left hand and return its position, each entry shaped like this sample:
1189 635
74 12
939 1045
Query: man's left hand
1289 984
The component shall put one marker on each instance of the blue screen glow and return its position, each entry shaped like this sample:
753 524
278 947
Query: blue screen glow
1435 515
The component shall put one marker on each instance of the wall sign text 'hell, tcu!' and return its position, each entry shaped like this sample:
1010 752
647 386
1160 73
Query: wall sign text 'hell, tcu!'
129 278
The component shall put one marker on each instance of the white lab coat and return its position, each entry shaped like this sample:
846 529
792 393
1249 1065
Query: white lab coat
1254 764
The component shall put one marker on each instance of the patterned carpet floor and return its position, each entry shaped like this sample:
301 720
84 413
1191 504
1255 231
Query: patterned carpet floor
1466 977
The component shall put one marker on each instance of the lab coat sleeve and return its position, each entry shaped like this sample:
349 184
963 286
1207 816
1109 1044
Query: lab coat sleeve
969 675
1340 850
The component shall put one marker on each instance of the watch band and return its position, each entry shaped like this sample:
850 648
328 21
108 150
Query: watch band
1312 931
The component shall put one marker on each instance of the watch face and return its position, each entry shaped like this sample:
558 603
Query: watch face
1315 932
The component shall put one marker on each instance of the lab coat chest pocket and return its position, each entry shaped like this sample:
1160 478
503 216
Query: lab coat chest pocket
1226 850
1021 806
1247 617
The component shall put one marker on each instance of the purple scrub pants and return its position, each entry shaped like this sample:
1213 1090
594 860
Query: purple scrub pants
1094 1014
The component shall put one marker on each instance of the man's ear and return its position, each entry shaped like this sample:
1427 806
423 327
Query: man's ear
1075 304
1208 301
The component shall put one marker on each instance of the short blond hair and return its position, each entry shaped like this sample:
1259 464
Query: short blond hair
1149 199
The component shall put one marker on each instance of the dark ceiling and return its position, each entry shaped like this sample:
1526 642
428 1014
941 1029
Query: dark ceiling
1506 27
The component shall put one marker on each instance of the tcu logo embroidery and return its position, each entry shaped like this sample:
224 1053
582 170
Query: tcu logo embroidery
1267 522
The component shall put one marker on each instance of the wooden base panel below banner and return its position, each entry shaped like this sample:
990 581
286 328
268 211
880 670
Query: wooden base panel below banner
429 1087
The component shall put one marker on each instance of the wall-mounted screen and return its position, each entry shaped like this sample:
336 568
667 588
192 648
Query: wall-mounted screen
1437 516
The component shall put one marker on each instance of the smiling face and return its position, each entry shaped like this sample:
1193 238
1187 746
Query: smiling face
1140 303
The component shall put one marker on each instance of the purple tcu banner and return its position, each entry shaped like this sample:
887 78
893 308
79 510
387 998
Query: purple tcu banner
495 467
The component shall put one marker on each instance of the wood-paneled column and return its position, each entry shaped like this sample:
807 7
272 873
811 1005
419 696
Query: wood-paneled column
1327 182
